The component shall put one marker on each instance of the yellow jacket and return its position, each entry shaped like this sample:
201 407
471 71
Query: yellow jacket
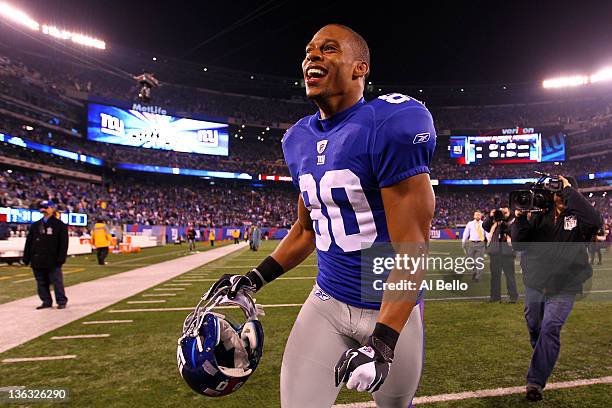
236 234
100 236
211 235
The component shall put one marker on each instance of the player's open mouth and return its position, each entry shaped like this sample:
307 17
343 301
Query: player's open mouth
314 74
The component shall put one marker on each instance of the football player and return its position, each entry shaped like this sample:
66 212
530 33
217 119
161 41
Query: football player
362 169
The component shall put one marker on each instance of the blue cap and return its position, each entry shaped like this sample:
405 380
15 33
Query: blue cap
46 204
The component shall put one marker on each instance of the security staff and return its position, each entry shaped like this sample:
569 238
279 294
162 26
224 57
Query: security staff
191 237
46 249
555 266
211 237
101 240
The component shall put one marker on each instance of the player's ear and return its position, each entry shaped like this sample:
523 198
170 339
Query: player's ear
361 69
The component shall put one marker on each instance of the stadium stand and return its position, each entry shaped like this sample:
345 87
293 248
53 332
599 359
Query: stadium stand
44 94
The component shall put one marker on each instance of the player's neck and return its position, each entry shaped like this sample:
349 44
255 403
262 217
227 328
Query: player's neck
328 107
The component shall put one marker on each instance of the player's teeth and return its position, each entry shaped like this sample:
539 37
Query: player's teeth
315 71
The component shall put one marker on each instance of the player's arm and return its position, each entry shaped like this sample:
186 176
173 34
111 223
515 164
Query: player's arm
297 245
367 367
409 236
299 242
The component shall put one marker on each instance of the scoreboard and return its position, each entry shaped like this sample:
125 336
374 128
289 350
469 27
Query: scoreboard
520 147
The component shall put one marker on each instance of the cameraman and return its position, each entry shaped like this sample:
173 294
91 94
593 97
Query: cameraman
501 253
555 265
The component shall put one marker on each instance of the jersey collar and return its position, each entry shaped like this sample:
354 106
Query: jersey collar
330 123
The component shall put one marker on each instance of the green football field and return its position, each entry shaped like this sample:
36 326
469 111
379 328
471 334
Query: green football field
469 344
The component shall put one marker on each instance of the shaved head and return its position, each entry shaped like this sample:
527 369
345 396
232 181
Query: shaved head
359 44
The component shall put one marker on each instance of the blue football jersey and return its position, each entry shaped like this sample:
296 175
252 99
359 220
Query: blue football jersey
339 166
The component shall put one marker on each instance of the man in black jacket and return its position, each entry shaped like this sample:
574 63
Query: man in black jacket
500 253
555 266
45 249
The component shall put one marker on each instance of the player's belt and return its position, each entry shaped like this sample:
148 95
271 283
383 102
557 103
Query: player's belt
476 241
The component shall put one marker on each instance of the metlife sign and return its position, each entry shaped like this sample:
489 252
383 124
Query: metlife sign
151 127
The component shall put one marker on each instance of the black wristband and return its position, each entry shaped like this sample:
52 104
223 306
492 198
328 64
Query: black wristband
266 272
386 334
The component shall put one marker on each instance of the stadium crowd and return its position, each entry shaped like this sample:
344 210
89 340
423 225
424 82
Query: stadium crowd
221 203
129 200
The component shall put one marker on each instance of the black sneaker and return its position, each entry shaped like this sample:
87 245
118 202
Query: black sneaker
43 306
534 392
61 306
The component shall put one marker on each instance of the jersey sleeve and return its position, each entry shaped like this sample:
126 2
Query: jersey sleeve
403 145
290 159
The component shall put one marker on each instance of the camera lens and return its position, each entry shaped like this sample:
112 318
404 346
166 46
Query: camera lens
539 200
523 198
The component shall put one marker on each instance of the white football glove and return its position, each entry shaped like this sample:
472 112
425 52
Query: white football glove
364 368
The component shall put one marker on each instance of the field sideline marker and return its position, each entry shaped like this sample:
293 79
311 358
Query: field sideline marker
107 321
173 309
494 392
81 336
48 358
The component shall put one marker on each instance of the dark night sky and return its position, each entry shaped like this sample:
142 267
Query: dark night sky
412 42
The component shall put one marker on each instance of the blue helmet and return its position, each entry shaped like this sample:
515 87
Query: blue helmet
216 357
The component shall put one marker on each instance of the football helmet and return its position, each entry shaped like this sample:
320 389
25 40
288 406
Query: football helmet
216 357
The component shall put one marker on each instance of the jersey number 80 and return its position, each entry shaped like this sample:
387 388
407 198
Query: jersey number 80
319 197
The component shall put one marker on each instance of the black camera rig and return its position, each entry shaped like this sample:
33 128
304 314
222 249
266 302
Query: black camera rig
538 196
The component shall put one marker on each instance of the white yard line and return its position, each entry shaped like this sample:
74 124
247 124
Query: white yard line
48 358
493 392
172 309
81 336
176 309
135 302
108 321
158 294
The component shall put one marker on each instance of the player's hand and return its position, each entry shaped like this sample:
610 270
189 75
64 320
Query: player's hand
518 213
364 368
234 282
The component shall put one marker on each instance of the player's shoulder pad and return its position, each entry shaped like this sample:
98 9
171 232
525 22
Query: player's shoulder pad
391 104
298 125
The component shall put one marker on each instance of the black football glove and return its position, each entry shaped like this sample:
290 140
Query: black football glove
265 272
234 282
366 368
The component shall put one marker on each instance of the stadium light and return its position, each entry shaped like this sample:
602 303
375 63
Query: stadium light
18 17
74 37
563 82
602 75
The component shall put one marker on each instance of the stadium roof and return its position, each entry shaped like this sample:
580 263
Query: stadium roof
423 43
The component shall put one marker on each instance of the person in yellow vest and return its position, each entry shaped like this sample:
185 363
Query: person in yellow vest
236 236
101 240
211 237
